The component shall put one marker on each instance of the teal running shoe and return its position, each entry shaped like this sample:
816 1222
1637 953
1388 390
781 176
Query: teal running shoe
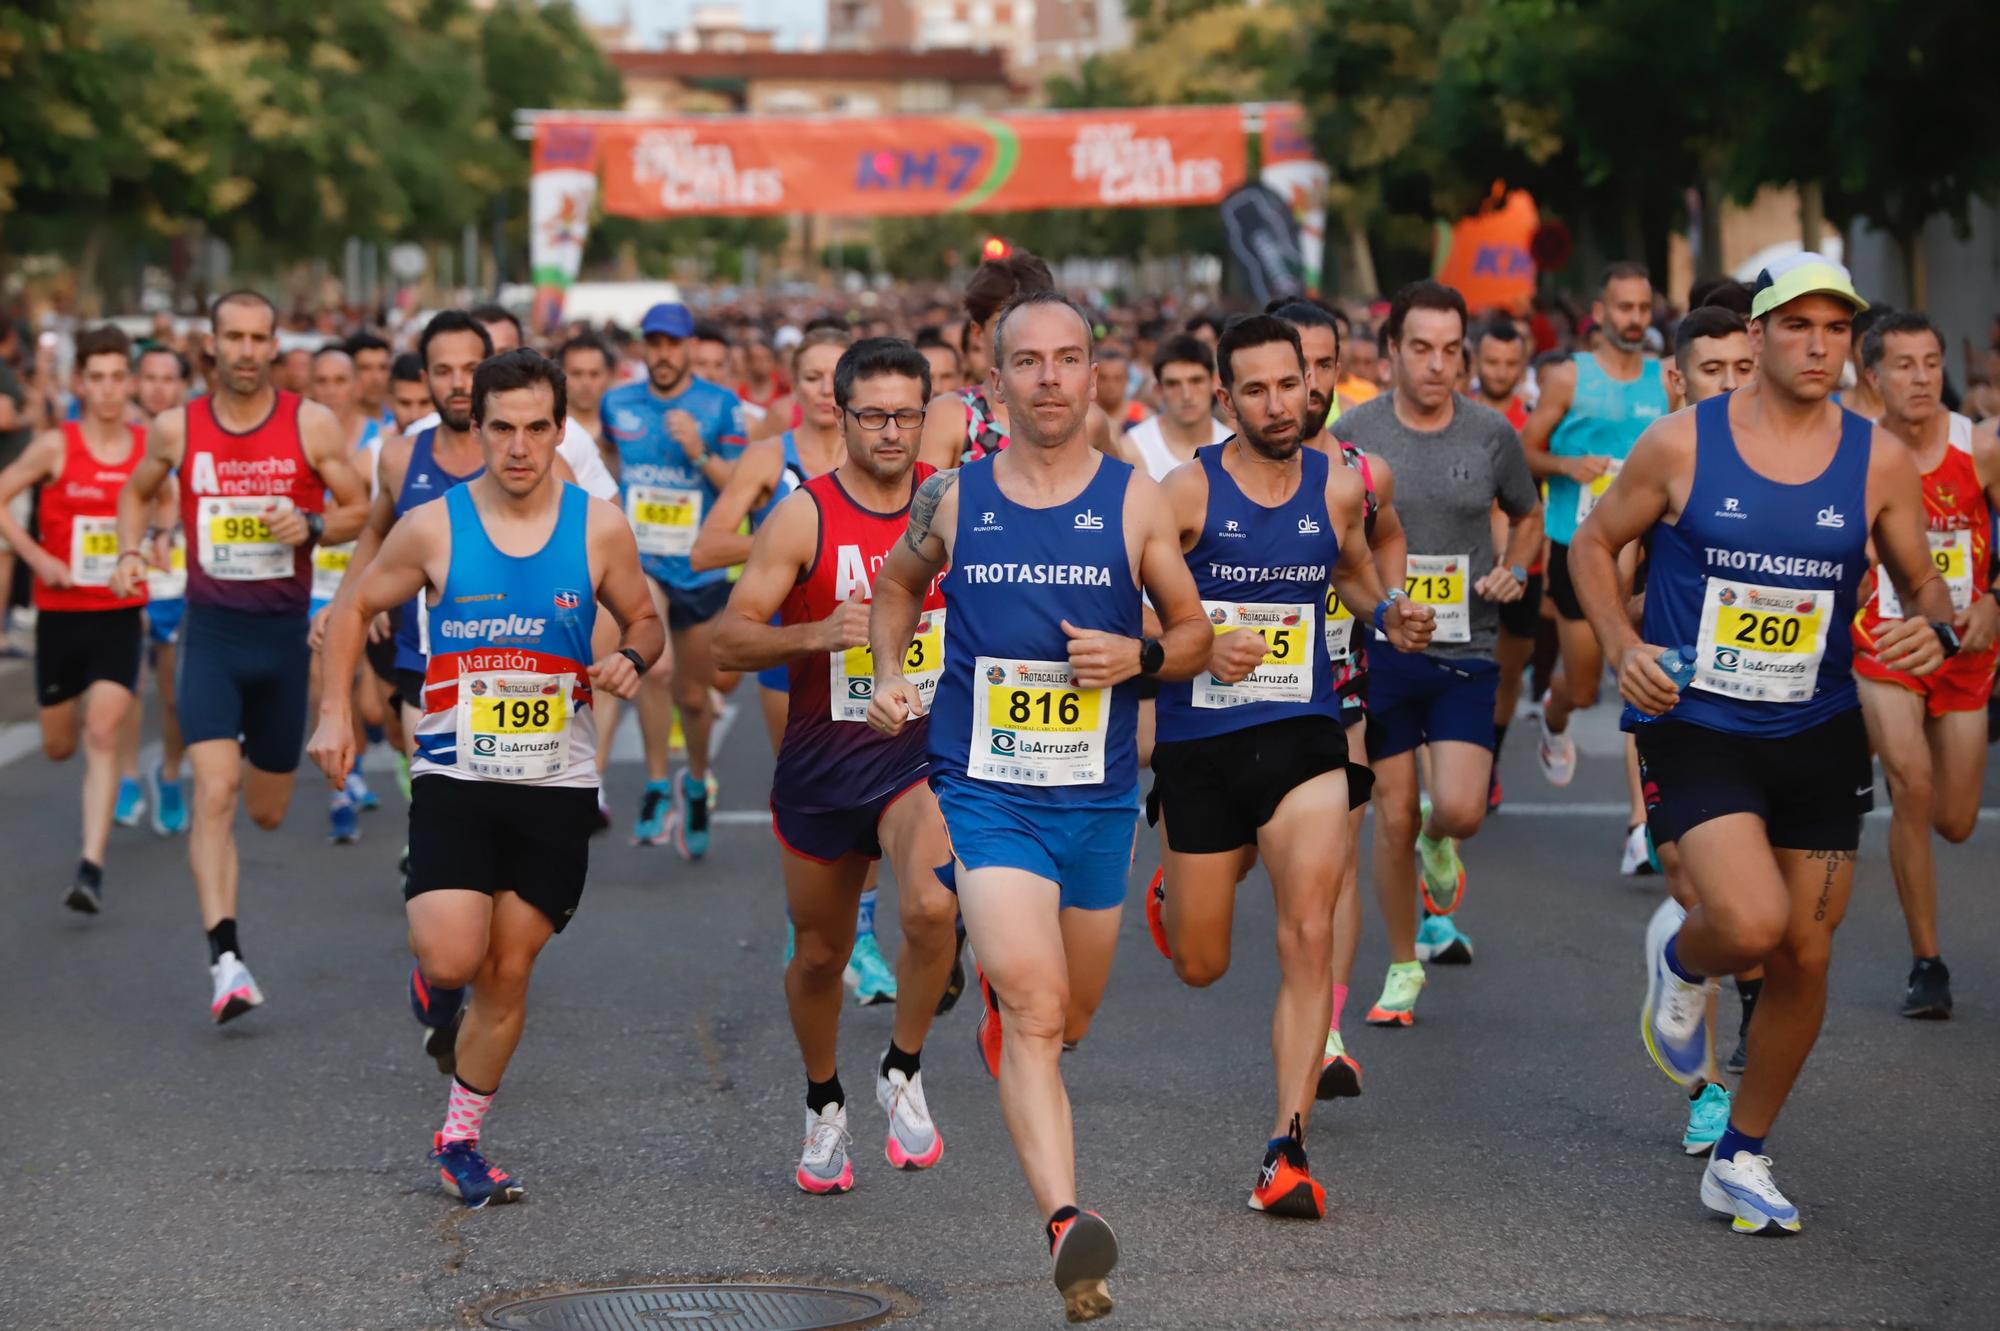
1708 1115
868 974
1439 940
170 814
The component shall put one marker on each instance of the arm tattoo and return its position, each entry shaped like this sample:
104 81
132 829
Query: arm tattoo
923 507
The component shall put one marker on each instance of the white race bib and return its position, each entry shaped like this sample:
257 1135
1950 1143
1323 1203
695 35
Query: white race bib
664 518
851 681
93 551
1951 553
1438 581
329 567
1339 628
1032 725
233 543
1761 644
1589 492
1286 672
513 725
170 584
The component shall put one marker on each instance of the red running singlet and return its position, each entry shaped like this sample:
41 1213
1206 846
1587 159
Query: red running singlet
78 518
227 480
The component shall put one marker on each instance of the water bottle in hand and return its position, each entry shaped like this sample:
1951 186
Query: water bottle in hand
1678 662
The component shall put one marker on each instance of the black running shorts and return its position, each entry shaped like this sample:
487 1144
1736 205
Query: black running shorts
1523 618
1216 792
494 836
77 648
1810 788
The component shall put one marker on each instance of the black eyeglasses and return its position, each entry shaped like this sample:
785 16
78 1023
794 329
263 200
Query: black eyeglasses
874 418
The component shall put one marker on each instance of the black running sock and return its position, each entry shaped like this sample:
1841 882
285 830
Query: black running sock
221 939
1748 991
1049 1227
820 1094
1499 737
898 1061
90 875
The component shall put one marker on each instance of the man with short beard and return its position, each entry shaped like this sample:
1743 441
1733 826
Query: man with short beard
1251 756
1591 411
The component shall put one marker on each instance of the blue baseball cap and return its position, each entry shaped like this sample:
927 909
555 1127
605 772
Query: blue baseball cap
669 317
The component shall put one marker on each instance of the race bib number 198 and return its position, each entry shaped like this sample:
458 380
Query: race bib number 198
513 726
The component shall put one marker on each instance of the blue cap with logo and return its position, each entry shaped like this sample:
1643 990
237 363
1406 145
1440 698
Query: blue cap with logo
668 317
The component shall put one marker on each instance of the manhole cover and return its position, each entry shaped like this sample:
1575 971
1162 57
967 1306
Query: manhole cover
690 1308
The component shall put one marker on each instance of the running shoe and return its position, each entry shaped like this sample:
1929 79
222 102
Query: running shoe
1084 1251
1339 1074
441 1044
986 1035
1678 1020
651 829
170 815
1740 1058
868 974
791 940
1494 795
344 824
131 802
954 986
823 1166
1285 1185
1398 1004
1708 1115
364 797
1637 859
235 991
913 1141
604 818
439 1011
1439 940
84 897
1439 870
468 1176
689 819
1742 1190
1556 752
1929 992
1156 912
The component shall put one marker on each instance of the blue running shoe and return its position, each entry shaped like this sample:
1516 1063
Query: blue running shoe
439 1011
651 829
1708 1115
345 823
468 1176
131 802
364 799
690 817
1743 1190
1678 1020
170 815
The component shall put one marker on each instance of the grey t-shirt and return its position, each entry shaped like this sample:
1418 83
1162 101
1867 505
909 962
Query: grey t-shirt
1447 482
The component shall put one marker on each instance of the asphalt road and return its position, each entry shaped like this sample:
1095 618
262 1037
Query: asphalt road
1513 1162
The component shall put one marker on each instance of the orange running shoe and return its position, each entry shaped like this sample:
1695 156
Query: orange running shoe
987 1033
1156 912
1084 1251
1285 1186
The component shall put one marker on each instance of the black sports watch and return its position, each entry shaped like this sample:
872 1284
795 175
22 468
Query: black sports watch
315 526
1152 656
632 654
1947 637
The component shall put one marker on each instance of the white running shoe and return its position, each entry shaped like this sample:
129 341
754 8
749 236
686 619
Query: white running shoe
1637 861
823 1165
1742 1190
1557 752
235 991
1677 1022
914 1141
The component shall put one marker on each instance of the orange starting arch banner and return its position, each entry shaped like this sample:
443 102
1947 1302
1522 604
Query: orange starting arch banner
876 166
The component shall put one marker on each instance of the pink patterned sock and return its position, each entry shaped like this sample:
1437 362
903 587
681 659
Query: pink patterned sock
464 1112
1339 1002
